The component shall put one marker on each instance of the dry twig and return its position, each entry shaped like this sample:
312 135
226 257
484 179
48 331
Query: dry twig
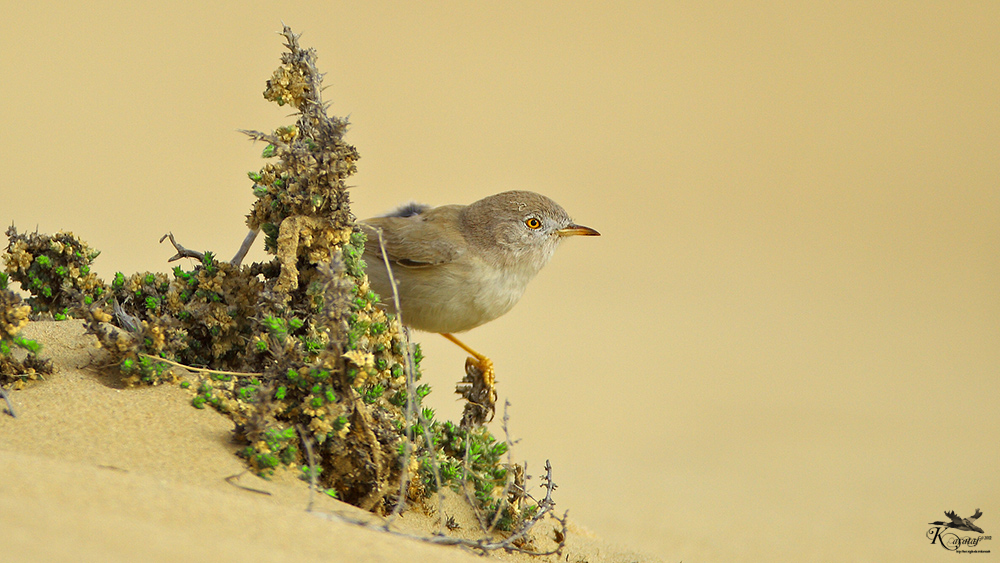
181 251
411 391
307 442
485 545
201 370
10 406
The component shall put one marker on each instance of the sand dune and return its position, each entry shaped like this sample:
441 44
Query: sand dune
92 471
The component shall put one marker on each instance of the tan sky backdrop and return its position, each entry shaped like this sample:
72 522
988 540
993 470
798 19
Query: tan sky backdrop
785 346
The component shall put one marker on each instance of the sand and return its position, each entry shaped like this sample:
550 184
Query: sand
93 471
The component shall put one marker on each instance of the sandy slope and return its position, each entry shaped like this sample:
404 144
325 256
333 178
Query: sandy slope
90 471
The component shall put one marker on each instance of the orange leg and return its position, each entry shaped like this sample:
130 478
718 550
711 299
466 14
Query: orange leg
478 387
463 346
485 364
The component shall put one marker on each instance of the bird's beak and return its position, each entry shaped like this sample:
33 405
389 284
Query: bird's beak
577 230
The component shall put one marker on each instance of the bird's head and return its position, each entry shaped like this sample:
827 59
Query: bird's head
520 229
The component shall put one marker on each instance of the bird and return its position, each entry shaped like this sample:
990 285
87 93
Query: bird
457 267
960 523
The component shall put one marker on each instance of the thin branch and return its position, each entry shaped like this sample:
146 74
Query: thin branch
546 506
201 370
411 393
10 406
181 251
312 465
483 545
404 479
465 483
128 322
244 247
509 473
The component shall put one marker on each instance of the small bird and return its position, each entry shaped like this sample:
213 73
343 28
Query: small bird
960 523
459 266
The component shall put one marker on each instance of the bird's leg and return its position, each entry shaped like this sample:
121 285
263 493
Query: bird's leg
485 364
478 387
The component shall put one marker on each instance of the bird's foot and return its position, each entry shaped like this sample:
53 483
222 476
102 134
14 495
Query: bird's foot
478 388
485 366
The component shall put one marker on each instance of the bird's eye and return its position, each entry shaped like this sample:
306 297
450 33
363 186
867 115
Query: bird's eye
533 223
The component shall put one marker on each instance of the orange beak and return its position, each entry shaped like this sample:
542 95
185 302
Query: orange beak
577 230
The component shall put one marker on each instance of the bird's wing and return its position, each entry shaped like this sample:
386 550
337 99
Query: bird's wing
976 515
421 240
954 518
407 210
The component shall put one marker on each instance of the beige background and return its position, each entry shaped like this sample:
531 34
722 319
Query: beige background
786 344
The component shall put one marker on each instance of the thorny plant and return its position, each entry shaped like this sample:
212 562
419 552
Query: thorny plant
296 350
17 372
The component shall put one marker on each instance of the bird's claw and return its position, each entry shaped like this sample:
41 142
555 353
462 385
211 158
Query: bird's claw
478 388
